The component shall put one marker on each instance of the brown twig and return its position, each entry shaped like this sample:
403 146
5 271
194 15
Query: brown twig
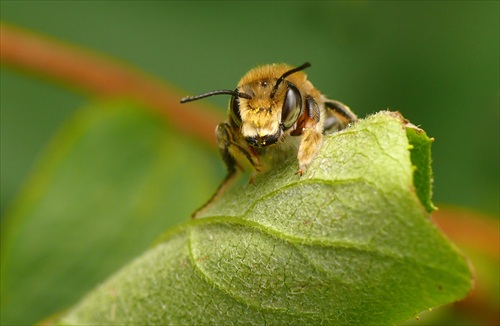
103 77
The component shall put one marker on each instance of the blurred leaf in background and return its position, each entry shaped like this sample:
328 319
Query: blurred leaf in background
436 62
110 183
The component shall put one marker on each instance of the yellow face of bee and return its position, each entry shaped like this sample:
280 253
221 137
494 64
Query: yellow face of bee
273 106
260 116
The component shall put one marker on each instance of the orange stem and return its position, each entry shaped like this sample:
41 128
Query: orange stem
470 229
103 77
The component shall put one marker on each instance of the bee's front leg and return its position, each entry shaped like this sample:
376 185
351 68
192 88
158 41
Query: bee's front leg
312 135
235 150
309 147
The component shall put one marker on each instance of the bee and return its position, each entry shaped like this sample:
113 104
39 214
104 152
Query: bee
274 110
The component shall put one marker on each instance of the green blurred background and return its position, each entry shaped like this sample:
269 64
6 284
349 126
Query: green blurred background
435 62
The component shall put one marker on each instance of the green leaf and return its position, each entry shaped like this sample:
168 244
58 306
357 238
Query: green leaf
99 197
350 242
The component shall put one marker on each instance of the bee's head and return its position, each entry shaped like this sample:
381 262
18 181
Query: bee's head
264 108
264 118
273 107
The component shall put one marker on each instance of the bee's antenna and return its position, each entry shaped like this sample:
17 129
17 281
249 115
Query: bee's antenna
212 93
286 74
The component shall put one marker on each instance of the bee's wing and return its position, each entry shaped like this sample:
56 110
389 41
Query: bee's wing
337 116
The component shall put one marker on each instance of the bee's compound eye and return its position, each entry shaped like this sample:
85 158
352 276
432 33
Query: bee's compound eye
234 110
292 107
